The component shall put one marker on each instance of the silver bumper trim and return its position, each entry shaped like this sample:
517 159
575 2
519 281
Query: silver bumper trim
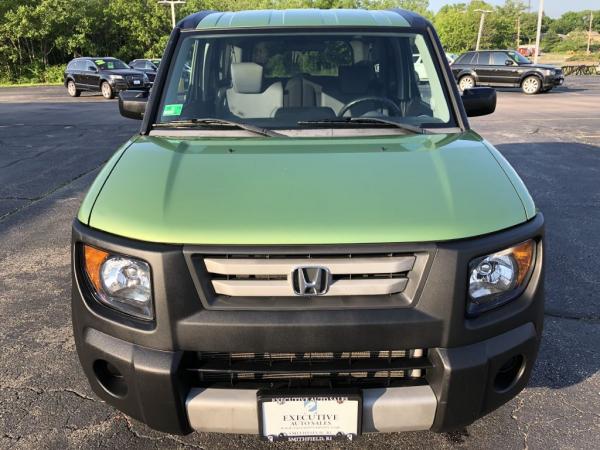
384 410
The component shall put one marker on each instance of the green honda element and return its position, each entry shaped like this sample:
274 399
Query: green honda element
307 240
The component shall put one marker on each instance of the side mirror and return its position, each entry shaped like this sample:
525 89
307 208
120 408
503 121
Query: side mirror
479 101
92 69
132 104
508 62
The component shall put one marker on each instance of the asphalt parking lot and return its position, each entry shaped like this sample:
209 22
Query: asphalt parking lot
51 148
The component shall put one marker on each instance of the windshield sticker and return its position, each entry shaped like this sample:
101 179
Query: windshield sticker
173 110
99 62
110 65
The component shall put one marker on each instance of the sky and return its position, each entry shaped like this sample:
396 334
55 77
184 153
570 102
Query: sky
553 8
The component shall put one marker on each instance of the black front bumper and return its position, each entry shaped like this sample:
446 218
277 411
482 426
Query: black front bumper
551 81
465 354
123 85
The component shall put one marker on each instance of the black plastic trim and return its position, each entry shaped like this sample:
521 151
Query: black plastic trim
193 20
462 378
159 82
415 20
465 354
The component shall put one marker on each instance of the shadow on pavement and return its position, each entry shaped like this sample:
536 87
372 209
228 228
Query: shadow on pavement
564 180
557 90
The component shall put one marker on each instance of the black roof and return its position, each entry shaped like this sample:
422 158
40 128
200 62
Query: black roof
414 20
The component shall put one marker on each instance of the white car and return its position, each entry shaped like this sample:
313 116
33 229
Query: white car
420 67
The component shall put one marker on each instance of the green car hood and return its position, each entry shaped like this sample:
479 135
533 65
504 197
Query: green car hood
307 190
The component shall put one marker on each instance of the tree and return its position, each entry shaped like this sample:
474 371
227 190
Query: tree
457 26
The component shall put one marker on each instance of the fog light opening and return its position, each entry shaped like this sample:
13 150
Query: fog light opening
509 374
110 378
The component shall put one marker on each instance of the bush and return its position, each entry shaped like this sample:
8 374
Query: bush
35 74
53 74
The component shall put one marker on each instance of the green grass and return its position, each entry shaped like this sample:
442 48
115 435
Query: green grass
569 58
2 84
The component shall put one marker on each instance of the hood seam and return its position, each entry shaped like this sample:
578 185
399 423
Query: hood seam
89 218
487 146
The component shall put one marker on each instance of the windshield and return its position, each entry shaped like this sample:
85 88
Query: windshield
110 64
290 80
518 58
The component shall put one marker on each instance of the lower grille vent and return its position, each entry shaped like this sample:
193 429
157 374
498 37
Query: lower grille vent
316 369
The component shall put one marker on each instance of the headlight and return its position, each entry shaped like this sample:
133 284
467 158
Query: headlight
121 282
498 278
550 72
115 77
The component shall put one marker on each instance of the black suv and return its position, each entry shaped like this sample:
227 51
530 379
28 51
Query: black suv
148 66
505 68
105 75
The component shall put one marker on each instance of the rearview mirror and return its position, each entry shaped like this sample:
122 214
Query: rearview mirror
132 104
479 101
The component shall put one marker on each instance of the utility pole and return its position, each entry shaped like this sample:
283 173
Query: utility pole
590 32
539 32
481 22
518 31
172 3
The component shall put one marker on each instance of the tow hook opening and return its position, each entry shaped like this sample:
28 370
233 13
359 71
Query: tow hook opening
110 378
509 374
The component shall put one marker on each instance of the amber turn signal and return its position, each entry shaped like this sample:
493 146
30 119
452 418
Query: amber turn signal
523 254
93 259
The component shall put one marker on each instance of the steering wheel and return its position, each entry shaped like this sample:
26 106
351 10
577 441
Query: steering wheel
382 100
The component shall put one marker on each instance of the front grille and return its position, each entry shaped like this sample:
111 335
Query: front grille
265 276
131 78
270 280
316 369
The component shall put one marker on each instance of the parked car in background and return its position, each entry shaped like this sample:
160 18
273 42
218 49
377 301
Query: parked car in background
148 66
420 69
527 50
505 68
102 74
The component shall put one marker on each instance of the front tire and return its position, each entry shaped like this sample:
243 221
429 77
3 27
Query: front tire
107 91
466 82
531 85
72 89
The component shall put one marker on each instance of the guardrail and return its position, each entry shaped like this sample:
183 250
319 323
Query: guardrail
581 69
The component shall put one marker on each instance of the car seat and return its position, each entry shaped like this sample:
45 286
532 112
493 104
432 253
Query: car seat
246 97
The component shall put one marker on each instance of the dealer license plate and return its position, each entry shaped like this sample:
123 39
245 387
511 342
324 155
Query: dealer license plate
311 417
136 82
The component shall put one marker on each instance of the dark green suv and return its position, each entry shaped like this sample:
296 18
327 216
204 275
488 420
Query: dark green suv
306 240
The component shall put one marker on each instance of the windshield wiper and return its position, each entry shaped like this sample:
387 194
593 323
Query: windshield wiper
210 121
365 120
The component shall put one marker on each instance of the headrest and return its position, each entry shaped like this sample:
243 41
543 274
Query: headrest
246 77
355 79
